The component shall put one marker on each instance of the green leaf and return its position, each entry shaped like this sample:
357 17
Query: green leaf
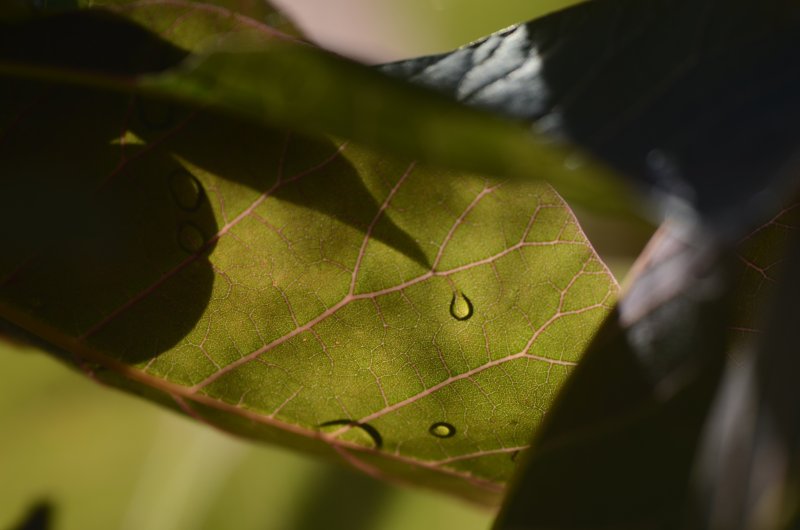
308 292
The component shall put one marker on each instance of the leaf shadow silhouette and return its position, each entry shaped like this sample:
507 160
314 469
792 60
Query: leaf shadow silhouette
93 229
106 234
311 172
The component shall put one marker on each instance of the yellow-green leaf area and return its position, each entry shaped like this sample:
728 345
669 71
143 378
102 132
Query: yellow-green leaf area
412 321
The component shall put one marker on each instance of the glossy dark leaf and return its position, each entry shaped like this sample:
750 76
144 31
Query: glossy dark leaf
693 100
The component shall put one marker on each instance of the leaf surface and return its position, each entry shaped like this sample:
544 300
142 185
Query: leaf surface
303 291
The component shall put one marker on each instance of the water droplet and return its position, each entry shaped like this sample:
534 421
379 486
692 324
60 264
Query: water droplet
186 190
190 238
156 115
441 429
461 306
362 433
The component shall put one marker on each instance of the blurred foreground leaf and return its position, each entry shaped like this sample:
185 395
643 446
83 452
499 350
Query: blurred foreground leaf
244 68
647 87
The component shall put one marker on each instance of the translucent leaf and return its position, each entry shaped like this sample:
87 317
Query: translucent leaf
308 292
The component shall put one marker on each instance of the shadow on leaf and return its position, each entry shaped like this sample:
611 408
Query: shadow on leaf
312 173
97 224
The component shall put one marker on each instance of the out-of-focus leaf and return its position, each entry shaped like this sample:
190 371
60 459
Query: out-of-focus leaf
311 293
691 99
761 254
193 24
272 80
183 22
748 471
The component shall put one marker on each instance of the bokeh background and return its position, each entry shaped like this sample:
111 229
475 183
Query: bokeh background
88 457
386 30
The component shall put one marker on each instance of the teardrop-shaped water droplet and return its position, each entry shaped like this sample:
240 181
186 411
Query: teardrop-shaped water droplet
190 238
441 429
461 306
360 433
186 190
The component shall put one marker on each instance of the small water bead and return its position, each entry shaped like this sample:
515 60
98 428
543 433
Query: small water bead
186 190
442 430
190 238
461 307
360 433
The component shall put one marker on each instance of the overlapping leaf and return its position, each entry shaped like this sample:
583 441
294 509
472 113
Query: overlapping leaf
643 389
690 100
667 352
243 67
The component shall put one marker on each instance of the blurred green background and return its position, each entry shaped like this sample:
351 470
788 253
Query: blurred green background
104 460
384 30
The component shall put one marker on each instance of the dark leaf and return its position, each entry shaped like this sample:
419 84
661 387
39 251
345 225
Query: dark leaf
695 101
127 50
749 468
